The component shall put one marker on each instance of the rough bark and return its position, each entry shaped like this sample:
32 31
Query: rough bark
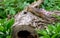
25 21
30 19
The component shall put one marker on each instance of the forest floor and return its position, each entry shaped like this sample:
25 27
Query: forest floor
44 13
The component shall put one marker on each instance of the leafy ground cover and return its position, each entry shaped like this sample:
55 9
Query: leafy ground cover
11 7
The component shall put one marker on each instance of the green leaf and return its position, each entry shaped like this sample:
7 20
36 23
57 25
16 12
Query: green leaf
46 36
1 28
57 30
45 2
11 10
55 35
42 32
8 36
51 29
1 33
9 23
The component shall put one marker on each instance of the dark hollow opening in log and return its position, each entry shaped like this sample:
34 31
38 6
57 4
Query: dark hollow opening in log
24 34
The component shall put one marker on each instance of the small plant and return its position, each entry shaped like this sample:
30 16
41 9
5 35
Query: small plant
12 7
51 5
5 28
52 31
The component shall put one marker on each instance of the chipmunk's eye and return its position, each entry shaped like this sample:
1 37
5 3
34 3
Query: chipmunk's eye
25 12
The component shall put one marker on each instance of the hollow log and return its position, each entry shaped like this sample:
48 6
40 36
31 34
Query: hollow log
26 22
24 31
25 26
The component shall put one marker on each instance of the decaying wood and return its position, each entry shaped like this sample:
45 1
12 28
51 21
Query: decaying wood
24 31
25 21
30 19
41 12
36 3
